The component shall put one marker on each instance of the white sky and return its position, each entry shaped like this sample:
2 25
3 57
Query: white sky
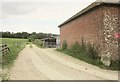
37 15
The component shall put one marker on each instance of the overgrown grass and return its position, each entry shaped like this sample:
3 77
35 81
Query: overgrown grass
30 46
115 65
38 43
15 45
88 53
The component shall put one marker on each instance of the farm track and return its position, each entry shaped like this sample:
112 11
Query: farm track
47 64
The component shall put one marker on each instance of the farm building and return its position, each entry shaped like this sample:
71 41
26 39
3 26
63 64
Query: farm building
51 42
99 24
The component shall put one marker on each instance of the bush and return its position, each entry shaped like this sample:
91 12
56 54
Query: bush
92 51
76 48
115 64
83 45
30 39
79 47
31 46
64 45
86 49
83 51
38 42
89 53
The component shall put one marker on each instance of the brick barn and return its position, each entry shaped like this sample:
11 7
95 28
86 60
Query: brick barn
99 23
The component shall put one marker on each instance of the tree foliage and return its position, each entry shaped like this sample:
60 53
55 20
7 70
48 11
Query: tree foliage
25 35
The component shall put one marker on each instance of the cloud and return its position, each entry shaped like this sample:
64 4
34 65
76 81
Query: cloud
38 16
46 1
18 8
35 28
45 11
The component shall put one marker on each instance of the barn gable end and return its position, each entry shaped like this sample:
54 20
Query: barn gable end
98 24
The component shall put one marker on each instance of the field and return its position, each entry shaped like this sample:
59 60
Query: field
15 46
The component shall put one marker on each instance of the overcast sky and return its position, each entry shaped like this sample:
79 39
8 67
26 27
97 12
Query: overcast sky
37 15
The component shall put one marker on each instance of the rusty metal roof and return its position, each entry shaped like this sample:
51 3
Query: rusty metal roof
93 5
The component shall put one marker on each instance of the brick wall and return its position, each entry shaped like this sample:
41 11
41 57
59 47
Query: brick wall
96 26
86 26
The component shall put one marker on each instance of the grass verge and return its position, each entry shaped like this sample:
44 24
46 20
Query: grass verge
38 43
87 53
15 46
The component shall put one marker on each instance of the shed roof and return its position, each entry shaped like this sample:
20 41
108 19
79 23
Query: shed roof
48 39
91 6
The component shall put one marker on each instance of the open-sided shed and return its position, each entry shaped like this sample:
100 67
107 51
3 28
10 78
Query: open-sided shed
49 42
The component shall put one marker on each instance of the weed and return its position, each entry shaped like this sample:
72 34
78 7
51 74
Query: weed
115 64
31 46
92 51
38 43
87 52
5 77
64 45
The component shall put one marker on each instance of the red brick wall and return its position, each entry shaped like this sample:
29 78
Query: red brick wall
93 27
86 26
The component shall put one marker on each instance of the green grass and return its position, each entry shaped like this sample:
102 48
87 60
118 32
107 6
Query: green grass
15 46
82 56
89 54
38 43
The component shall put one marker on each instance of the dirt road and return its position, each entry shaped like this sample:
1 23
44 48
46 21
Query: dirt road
47 64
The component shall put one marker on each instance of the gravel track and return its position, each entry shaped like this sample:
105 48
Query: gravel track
47 64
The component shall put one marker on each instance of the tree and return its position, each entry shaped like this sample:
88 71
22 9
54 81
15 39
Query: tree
31 38
6 34
25 35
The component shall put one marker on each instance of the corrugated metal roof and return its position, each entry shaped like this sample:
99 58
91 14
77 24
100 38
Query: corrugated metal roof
93 5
